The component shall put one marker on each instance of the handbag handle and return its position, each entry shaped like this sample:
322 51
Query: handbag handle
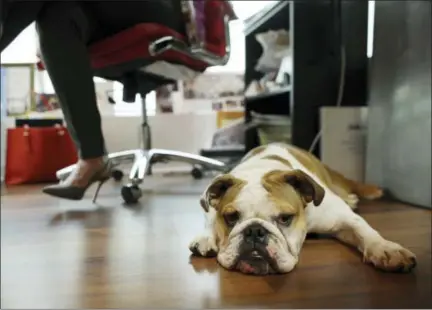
60 130
26 133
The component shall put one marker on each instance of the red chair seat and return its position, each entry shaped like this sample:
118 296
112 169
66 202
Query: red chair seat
133 43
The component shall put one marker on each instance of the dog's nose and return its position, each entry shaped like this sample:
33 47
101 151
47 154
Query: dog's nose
255 234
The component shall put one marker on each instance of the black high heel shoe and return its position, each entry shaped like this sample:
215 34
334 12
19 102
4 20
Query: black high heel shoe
73 192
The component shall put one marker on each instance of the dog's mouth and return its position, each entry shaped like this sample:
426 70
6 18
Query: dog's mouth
256 261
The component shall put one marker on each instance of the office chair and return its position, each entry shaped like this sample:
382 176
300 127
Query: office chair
149 55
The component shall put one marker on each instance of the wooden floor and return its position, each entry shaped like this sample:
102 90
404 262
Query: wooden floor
60 254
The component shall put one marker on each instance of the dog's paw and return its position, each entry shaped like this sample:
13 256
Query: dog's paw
390 256
204 246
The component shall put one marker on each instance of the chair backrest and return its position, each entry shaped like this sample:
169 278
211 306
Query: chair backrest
205 24
207 42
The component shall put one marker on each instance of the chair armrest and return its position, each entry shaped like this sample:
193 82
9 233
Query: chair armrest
207 30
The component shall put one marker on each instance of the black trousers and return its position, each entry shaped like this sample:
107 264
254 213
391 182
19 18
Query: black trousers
65 29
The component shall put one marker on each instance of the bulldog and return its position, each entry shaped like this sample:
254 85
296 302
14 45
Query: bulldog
258 215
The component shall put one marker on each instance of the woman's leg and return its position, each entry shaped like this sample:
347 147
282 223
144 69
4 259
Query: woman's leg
64 30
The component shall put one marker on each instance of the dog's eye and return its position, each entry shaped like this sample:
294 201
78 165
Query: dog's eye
231 218
285 219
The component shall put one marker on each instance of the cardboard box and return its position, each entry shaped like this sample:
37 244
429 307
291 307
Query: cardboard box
343 140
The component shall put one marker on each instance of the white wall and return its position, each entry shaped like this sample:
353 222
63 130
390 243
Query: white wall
181 132
22 49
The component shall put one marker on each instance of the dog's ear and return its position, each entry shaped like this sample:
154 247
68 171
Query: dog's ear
302 183
218 188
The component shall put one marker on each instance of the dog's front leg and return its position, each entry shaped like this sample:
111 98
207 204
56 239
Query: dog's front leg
337 219
205 244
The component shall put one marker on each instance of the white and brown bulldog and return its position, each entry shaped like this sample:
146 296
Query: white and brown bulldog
260 212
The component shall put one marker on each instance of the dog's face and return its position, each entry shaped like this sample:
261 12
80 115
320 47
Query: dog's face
260 225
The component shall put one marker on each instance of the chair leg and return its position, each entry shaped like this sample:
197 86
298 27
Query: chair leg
169 155
142 164
139 169
116 159
131 192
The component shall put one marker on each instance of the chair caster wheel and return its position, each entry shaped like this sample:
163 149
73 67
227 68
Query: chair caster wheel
117 175
131 193
197 173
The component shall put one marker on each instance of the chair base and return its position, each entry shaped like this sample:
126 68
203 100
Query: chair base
144 159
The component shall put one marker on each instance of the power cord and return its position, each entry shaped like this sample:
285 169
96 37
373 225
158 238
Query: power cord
339 98
342 73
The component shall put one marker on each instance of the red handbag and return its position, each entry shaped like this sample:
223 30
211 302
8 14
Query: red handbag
34 154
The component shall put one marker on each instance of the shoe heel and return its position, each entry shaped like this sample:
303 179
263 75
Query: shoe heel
101 182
